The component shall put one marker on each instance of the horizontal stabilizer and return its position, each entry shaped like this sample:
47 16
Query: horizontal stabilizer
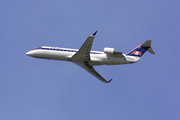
147 46
151 51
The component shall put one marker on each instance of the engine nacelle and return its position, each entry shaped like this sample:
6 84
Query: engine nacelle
111 51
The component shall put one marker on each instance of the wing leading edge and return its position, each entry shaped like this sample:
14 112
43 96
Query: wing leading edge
93 72
82 57
84 51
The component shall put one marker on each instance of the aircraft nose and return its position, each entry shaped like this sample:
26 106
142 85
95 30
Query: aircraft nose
30 53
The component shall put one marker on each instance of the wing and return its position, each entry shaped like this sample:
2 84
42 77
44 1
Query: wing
84 51
82 58
93 72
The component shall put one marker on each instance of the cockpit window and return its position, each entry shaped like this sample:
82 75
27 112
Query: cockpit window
39 48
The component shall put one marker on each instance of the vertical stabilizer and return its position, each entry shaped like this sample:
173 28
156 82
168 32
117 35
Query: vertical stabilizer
141 49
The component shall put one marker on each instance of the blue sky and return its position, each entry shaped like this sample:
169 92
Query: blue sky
50 90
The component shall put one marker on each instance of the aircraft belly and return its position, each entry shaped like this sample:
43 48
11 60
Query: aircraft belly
114 61
58 55
103 59
55 55
96 60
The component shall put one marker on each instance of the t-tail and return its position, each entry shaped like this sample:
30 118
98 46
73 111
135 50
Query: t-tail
141 49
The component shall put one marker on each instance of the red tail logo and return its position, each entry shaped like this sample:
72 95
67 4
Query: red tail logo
137 53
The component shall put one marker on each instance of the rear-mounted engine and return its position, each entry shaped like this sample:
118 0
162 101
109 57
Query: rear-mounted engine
111 51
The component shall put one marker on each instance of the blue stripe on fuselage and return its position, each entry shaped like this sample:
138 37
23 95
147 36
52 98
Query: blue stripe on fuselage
66 50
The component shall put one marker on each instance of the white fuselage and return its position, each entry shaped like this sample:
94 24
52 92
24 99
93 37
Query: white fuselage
86 59
96 57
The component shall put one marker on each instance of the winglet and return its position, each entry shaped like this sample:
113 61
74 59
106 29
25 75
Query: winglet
110 80
94 33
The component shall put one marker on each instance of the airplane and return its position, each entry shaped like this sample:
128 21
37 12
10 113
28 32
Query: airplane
86 58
